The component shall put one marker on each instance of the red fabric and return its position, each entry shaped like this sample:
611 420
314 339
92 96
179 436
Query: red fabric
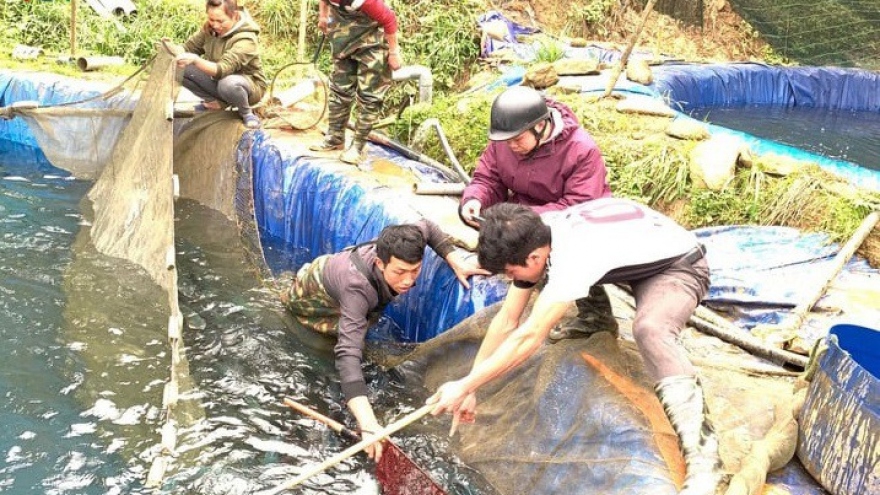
399 475
382 14
378 11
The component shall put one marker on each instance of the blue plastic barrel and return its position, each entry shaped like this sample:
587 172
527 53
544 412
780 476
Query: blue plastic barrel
839 441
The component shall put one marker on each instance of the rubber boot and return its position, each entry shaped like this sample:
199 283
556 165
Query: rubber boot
354 154
594 315
685 406
333 141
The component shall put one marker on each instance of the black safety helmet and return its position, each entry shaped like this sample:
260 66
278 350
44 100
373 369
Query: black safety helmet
516 110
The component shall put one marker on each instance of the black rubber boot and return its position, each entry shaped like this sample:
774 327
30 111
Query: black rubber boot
594 316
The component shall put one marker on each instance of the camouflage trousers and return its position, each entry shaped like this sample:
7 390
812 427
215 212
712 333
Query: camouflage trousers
363 75
308 300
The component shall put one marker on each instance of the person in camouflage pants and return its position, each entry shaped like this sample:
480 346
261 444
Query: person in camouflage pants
363 41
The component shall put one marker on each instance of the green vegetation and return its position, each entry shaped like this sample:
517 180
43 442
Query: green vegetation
646 164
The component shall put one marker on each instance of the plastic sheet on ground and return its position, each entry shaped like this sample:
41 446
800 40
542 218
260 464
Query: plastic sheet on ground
687 85
763 272
581 415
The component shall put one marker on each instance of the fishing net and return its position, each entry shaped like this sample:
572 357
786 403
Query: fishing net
581 416
840 33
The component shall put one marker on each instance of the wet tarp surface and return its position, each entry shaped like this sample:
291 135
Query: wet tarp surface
764 272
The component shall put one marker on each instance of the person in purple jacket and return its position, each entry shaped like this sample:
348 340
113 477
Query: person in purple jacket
539 156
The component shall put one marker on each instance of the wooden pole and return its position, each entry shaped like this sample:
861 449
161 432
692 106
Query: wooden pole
330 422
303 19
73 5
800 312
354 449
629 48
710 323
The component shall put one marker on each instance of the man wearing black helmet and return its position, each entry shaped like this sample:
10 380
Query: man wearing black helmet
539 156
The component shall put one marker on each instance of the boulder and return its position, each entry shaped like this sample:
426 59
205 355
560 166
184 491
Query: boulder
639 71
713 162
576 67
687 128
540 76
646 105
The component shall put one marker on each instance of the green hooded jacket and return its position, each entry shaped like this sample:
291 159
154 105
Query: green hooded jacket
236 52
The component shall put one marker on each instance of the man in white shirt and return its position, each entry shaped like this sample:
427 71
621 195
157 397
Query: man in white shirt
607 240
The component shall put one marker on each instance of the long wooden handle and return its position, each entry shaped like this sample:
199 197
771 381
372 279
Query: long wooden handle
799 314
332 423
354 449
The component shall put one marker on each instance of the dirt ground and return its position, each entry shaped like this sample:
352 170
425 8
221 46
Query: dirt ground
724 36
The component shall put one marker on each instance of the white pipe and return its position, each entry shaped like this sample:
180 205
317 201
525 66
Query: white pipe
420 72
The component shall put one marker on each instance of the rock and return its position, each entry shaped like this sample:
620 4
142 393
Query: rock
713 162
646 105
540 76
578 42
774 164
576 67
639 71
687 128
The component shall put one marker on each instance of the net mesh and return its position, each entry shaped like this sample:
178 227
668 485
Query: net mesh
133 198
840 33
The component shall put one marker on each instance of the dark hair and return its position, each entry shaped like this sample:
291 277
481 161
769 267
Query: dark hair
404 242
508 234
229 6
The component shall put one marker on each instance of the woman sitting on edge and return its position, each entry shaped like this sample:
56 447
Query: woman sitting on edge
221 62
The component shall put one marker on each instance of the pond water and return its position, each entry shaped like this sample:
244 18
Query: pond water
852 136
84 362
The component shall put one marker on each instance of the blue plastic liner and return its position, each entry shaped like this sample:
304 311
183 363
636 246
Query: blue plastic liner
725 85
305 209
46 89
839 442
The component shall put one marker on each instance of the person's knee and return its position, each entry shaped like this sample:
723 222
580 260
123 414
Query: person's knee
232 88
192 73
648 332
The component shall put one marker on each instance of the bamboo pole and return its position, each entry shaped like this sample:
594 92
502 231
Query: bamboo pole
709 322
303 19
330 422
629 48
73 6
800 312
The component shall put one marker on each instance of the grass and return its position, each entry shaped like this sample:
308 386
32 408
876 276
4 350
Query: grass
647 165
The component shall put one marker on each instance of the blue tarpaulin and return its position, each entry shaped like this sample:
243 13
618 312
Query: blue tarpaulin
305 210
724 85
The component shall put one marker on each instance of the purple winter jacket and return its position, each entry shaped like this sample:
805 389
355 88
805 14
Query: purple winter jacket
567 170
